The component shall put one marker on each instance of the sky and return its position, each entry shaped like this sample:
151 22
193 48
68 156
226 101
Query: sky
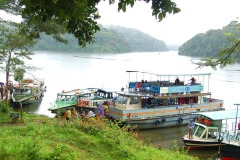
196 16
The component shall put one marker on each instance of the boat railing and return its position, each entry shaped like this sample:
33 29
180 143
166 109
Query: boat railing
165 87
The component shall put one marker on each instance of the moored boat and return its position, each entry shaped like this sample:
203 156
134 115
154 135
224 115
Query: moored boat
163 102
211 128
81 99
89 102
28 91
230 148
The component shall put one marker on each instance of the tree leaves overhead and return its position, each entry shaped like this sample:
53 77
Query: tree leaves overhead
77 17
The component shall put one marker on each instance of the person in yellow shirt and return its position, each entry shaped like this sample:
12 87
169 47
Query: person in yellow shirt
68 114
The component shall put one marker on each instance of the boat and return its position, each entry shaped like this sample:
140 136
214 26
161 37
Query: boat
162 102
230 148
28 91
81 99
89 102
210 129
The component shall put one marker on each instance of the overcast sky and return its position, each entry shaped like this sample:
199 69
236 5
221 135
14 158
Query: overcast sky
196 16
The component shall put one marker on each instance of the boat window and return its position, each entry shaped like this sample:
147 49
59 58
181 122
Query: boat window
73 98
121 100
25 91
68 98
199 131
212 133
134 100
238 136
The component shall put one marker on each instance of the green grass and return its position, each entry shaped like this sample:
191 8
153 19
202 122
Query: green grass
43 138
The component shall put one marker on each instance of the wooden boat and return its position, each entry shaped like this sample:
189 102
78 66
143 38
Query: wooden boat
230 148
161 102
210 130
81 99
28 91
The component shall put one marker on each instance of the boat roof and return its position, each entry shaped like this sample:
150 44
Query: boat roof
221 115
175 75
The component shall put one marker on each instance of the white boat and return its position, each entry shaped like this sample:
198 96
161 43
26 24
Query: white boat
161 102
211 129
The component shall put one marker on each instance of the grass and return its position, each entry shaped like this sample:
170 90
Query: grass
40 137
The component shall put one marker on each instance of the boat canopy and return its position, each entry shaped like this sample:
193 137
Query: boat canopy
221 115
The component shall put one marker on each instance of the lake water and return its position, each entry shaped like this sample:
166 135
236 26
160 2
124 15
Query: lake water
66 71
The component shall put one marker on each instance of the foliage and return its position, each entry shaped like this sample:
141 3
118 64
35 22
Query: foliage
55 17
19 74
218 47
13 48
140 42
112 40
91 139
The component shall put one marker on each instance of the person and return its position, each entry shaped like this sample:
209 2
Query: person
74 113
177 81
239 125
68 114
193 80
91 114
101 110
191 125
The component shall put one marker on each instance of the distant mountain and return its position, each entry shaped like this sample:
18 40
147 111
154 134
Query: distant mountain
139 41
108 40
209 44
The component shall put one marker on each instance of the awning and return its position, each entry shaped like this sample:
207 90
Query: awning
220 115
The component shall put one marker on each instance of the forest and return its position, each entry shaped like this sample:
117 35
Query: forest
111 39
211 43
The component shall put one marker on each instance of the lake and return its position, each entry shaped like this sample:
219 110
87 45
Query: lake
66 71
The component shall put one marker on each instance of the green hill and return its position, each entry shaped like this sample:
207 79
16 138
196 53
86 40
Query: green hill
208 44
108 40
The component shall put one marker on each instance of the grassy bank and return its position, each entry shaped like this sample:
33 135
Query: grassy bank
40 137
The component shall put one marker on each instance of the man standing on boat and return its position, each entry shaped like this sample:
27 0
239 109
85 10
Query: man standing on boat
191 125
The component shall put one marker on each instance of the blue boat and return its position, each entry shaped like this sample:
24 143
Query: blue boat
162 101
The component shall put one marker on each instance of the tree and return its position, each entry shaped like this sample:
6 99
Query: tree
77 17
225 56
13 49
19 74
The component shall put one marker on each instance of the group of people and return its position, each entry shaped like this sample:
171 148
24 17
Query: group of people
100 111
177 81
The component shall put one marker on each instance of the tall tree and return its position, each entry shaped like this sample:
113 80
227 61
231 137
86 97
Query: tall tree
13 49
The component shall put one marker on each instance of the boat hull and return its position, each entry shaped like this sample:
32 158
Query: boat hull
200 143
230 151
27 100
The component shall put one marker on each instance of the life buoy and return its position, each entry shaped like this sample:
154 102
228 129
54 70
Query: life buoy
163 120
157 122
200 119
208 122
180 120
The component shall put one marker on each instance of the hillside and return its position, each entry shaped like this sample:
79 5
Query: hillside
209 44
108 40
139 41
36 137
